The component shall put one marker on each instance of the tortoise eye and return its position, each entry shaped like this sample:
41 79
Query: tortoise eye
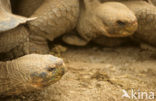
51 69
122 23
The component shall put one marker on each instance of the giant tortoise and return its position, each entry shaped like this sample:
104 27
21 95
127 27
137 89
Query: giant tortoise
44 21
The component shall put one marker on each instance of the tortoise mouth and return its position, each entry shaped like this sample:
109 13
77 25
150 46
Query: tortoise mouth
46 79
123 31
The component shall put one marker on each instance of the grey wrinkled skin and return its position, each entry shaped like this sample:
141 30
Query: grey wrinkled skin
51 19
145 11
54 18
30 38
30 72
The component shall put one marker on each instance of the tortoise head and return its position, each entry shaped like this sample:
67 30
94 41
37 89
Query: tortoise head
30 73
111 19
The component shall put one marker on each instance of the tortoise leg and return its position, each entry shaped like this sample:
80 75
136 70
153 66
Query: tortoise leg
146 15
74 39
12 38
37 44
54 18
19 41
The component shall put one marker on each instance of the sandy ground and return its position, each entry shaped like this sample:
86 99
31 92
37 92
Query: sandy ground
100 74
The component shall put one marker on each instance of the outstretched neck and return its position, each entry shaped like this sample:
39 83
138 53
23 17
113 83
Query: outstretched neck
89 4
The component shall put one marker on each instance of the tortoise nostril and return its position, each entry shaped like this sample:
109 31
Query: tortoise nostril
122 23
51 69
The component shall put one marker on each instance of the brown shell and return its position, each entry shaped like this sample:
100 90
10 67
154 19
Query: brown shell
8 20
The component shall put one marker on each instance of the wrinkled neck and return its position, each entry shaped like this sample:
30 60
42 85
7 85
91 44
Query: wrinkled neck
2 77
91 4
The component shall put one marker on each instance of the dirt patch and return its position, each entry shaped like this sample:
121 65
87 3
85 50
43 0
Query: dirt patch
100 74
